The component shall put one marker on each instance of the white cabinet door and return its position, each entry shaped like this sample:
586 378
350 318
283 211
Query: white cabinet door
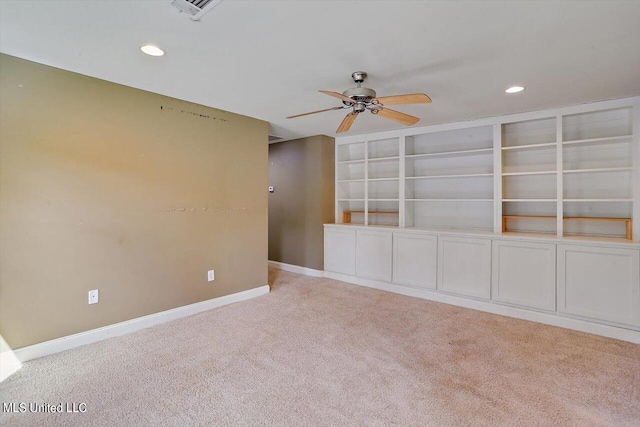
464 266
415 260
340 250
599 283
524 274
373 255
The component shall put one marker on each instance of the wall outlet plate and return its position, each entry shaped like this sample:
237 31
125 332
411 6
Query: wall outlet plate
211 276
94 296
271 189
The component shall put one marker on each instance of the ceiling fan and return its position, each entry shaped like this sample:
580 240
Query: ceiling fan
359 99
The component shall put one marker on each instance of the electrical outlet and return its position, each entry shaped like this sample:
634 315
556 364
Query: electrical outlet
211 276
94 296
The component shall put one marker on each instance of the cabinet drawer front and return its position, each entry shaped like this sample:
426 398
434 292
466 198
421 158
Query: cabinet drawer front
415 260
373 255
464 266
599 283
340 251
524 274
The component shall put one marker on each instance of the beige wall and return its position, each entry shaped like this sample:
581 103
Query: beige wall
107 187
302 172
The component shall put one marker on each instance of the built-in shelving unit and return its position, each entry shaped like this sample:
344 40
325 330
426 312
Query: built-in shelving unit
447 174
351 179
515 174
598 171
529 173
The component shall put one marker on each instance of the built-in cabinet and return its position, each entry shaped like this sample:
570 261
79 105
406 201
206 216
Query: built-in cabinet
535 214
464 266
592 281
415 259
373 255
599 283
524 274
340 251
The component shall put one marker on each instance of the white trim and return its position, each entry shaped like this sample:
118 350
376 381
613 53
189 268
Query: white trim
296 269
534 316
94 335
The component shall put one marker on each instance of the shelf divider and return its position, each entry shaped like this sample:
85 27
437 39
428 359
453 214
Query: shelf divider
559 178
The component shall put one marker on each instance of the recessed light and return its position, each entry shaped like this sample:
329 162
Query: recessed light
152 50
514 89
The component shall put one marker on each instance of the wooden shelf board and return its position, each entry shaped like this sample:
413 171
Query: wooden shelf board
346 215
450 153
627 221
374 212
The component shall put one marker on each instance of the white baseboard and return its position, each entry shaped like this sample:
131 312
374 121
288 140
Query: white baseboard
490 307
296 269
76 340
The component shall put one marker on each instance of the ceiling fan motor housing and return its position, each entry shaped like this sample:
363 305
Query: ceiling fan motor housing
359 94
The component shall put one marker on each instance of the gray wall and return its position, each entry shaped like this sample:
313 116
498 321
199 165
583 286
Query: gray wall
302 172
136 194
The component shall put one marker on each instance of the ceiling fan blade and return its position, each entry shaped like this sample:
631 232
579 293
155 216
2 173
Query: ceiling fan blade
347 122
398 116
337 95
314 112
410 98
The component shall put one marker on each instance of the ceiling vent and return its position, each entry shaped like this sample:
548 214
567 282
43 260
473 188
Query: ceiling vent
195 8
273 138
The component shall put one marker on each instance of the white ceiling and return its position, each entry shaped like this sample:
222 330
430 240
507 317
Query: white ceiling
267 59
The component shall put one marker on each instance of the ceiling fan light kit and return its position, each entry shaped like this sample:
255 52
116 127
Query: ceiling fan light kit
359 99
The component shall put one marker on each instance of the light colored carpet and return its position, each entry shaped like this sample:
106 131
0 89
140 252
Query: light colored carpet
319 352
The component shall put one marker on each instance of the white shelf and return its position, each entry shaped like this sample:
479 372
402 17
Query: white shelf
383 159
449 200
624 169
351 180
384 179
351 200
529 173
598 140
530 146
346 162
450 153
530 200
468 175
597 200
384 200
